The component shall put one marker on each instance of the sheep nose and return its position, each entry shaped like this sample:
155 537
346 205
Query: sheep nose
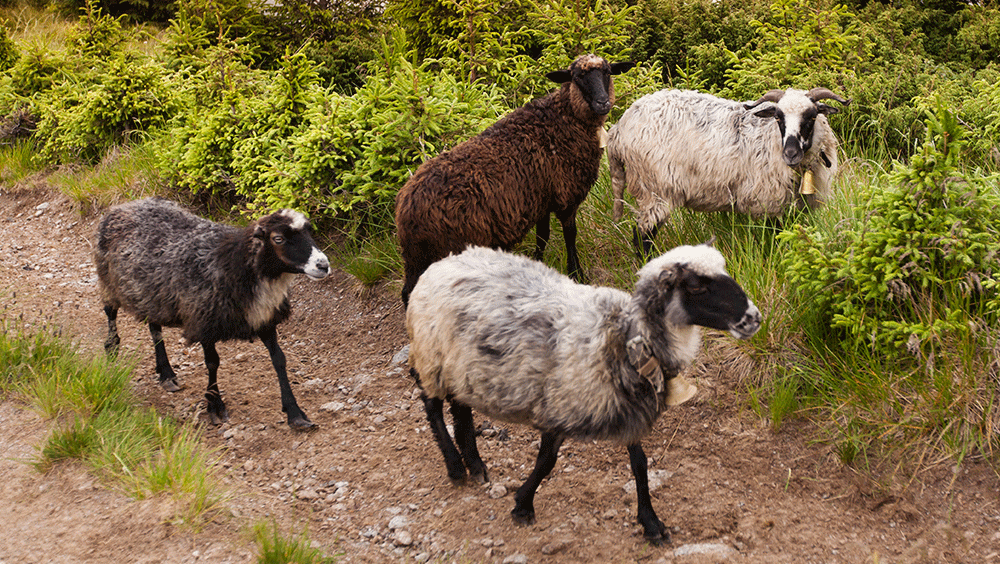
792 153
601 107
749 324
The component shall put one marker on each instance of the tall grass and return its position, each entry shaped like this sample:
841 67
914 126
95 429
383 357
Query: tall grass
16 162
99 423
278 548
124 174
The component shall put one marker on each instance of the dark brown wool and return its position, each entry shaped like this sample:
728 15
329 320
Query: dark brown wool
492 189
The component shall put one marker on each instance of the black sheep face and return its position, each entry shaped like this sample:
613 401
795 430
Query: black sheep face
592 76
689 285
288 247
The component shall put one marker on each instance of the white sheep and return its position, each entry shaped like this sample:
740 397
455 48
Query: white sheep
519 342
680 148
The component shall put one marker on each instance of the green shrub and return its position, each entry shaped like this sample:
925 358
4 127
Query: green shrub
8 50
922 272
356 152
81 120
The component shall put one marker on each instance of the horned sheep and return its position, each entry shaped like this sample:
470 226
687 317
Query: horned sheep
171 268
519 342
490 190
680 148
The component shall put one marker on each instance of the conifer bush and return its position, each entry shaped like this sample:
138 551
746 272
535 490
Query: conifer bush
921 272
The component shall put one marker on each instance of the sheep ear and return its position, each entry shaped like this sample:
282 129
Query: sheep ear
560 76
670 275
618 68
827 110
765 112
259 233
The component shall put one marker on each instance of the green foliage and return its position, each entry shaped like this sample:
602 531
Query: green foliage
97 35
694 41
795 39
923 272
356 152
276 548
977 42
37 70
8 50
81 120
261 152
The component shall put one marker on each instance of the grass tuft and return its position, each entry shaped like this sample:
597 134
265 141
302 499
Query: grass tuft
276 548
99 423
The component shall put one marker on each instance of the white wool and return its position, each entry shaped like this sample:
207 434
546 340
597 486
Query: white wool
702 259
267 297
297 219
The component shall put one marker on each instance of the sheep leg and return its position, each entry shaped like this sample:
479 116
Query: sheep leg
524 500
434 407
168 379
113 340
653 529
568 221
213 397
465 435
296 417
643 242
542 230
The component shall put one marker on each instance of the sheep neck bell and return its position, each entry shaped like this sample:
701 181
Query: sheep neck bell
641 357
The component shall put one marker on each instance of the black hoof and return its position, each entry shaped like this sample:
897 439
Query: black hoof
657 535
522 516
302 424
171 385
478 476
219 418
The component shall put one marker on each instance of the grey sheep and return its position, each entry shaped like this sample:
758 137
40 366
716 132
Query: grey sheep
679 148
171 268
519 342
540 159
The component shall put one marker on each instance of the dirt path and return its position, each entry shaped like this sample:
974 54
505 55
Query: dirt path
370 483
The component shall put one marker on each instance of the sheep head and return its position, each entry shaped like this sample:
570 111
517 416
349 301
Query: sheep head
795 112
282 244
689 285
590 81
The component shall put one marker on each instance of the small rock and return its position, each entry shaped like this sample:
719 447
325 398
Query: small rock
516 558
333 406
497 491
554 547
248 465
402 538
314 384
656 480
715 550
307 494
400 357
398 522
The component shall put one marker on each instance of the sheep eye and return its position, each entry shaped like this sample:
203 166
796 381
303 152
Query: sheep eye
278 239
695 290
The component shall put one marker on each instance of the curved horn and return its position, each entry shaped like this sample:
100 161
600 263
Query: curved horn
817 94
771 96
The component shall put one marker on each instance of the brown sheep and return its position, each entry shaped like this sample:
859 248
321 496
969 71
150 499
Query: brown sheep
489 191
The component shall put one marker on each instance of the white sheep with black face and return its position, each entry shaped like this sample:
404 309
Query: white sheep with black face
680 148
519 342
171 268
